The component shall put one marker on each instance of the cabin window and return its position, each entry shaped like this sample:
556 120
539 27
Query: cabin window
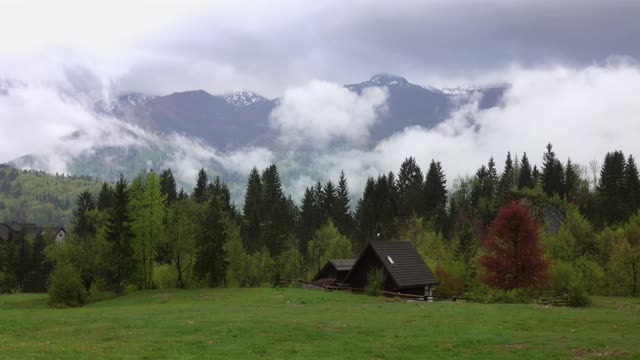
390 259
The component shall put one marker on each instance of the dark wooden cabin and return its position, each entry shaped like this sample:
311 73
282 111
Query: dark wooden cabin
334 271
405 271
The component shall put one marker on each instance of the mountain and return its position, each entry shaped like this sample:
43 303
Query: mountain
242 118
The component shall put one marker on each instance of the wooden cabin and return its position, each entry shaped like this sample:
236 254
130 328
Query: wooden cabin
334 271
405 271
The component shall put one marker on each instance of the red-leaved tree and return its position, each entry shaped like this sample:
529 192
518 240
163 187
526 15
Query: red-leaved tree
514 257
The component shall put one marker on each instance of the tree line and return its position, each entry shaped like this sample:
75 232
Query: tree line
147 233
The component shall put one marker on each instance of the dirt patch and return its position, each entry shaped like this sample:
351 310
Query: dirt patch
595 353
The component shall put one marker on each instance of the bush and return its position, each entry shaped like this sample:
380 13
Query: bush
563 275
375 282
450 285
578 296
65 286
165 276
491 296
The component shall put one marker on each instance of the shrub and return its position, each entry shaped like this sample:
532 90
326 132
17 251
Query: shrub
563 275
65 286
578 296
450 285
375 282
165 276
491 296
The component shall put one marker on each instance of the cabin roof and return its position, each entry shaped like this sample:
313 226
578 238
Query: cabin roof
402 262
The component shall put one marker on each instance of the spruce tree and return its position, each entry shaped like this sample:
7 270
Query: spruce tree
612 188
168 186
308 219
571 180
632 185
435 191
200 193
251 212
275 211
552 176
365 216
105 198
342 214
83 224
410 180
118 258
328 200
525 180
507 178
210 264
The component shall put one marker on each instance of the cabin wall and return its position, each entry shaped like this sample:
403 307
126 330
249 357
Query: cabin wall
368 262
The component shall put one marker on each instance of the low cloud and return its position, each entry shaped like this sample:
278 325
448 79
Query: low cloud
321 112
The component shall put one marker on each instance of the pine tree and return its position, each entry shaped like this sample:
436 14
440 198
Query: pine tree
552 176
168 186
200 193
328 200
571 180
83 224
632 185
525 180
118 257
535 174
410 197
342 214
507 178
612 188
105 198
435 194
308 219
492 179
251 211
275 211
210 264
366 216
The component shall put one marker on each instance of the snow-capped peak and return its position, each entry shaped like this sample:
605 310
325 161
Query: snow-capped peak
388 79
243 98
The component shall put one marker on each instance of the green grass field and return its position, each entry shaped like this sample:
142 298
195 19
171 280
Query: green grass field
311 324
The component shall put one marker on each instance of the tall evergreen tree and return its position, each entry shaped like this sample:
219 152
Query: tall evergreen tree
552 176
200 193
410 197
308 219
535 174
435 193
525 180
366 216
632 185
118 257
83 224
251 211
328 200
274 209
571 181
105 198
342 214
168 186
612 188
507 182
210 264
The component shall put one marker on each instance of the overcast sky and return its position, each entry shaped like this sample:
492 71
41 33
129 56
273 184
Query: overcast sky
572 65
164 46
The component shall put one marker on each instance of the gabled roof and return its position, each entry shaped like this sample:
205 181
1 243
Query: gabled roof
343 264
403 263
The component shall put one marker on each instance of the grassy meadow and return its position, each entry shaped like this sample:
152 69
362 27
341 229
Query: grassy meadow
311 324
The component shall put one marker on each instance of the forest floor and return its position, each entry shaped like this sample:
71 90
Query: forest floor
312 324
